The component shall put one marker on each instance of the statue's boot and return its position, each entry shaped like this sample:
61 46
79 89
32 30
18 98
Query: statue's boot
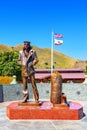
36 95
25 96
36 101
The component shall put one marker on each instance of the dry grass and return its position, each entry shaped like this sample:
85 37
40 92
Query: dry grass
4 48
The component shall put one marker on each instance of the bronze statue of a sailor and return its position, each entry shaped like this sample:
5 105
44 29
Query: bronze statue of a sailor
27 59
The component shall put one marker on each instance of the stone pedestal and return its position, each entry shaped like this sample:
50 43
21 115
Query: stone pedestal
45 111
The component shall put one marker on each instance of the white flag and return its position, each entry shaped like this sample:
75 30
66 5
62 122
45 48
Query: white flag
58 42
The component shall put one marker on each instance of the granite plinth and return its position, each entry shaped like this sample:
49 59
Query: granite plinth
45 111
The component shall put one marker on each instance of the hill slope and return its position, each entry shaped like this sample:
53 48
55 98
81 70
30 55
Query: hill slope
4 48
44 55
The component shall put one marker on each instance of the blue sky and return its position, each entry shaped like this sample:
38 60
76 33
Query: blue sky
34 20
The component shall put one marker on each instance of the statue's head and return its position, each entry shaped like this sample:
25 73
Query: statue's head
27 46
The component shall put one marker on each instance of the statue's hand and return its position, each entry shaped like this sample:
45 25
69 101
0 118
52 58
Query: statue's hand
30 64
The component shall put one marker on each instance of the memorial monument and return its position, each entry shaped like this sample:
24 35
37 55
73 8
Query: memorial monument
56 108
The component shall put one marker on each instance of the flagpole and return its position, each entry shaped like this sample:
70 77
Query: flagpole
52 44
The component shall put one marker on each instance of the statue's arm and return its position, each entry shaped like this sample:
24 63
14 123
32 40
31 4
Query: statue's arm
20 58
36 60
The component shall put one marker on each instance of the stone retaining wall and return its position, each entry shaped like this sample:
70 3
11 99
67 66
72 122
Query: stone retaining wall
72 91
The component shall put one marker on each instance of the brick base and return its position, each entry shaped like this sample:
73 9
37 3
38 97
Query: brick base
45 111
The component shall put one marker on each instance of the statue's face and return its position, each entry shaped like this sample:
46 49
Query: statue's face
26 45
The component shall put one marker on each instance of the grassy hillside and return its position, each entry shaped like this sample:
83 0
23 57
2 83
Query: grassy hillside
4 48
18 47
44 55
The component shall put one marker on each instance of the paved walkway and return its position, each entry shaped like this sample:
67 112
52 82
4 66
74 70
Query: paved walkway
6 124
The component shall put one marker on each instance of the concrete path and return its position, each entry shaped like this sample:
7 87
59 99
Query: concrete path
6 124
